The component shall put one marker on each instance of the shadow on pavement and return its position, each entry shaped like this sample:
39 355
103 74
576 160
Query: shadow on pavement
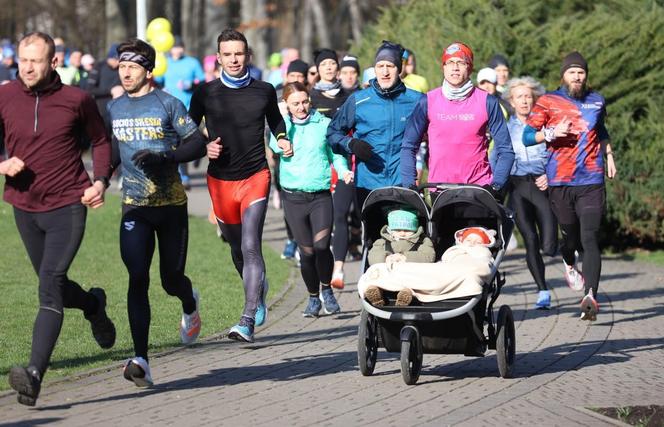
35 422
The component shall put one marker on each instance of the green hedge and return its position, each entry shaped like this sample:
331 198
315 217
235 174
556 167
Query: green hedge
623 42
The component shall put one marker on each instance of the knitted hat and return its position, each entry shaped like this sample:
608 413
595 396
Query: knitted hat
390 52
323 54
488 236
350 61
298 66
399 219
497 60
459 50
487 74
574 59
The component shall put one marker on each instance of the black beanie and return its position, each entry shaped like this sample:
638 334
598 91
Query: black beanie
574 59
298 66
391 52
323 54
497 60
350 61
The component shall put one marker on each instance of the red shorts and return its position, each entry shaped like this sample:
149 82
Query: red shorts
231 198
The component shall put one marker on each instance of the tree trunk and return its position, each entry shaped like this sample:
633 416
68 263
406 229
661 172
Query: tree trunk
321 26
216 19
355 20
306 34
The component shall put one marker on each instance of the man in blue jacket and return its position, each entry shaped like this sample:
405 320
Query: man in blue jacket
377 118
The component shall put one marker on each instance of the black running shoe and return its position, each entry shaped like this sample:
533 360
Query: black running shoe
102 327
27 382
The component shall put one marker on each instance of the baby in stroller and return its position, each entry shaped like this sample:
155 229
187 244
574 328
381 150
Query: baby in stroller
461 271
402 240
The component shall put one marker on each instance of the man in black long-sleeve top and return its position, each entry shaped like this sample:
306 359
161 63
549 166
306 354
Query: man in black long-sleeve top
235 108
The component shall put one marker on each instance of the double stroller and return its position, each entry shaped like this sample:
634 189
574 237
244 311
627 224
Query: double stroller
451 326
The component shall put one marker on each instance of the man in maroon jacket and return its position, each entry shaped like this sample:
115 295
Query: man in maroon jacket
49 189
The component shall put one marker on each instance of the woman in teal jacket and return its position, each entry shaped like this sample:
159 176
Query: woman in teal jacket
305 178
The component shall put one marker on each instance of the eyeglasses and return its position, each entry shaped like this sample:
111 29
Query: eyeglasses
460 64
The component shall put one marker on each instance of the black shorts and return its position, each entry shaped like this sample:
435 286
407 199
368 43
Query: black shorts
570 202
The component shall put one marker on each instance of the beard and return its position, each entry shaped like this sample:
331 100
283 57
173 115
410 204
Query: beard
576 92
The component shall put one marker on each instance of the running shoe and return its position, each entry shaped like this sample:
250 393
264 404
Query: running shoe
574 277
589 307
261 310
404 297
289 250
374 295
330 304
313 307
102 327
137 371
190 324
27 382
543 300
337 281
243 331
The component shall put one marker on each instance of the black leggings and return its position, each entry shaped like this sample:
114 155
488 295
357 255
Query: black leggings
245 240
536 222
579 210
344 195
52 240
310 218
137 243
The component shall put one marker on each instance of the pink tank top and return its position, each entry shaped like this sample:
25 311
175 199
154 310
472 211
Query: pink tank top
458 140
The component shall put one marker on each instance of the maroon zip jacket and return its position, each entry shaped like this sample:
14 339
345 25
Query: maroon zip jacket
43 127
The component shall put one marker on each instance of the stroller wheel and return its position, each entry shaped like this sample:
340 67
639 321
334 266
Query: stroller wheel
411 354
367 343
505 342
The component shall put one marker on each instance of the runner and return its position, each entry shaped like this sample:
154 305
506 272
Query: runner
235 108
456 117
305 178
528 185
152 133
571 122
49 189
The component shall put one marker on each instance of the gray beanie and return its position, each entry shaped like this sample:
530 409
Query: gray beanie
391 52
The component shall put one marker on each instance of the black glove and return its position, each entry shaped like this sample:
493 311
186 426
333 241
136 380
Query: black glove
496 192
361 149
146 159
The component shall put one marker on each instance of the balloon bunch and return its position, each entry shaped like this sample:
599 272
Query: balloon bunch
160 37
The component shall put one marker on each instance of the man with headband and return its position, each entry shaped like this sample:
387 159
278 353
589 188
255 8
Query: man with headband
235 108
152 133
50 191
456 117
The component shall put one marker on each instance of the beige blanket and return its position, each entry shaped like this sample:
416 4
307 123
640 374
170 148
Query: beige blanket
460 273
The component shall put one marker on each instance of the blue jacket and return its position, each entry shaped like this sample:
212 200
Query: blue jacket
527 160
379 118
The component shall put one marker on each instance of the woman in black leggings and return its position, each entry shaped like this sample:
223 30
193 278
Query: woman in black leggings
534 217
305 176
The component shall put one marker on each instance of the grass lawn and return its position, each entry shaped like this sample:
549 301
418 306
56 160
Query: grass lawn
98 263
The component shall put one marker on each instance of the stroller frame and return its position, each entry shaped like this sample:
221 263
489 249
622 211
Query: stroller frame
452 326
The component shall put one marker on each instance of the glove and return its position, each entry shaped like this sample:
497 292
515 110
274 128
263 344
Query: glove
146 159
361 149
496 192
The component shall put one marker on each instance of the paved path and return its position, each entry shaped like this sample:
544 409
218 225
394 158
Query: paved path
304 372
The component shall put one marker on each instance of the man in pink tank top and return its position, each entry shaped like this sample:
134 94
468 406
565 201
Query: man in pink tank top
456 117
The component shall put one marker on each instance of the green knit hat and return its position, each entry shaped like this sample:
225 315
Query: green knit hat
400 219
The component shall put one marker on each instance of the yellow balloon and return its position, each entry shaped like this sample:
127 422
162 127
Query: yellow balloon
163 42
157 25
160 65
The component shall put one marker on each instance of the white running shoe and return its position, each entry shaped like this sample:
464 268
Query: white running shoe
190 325
574 277
137 370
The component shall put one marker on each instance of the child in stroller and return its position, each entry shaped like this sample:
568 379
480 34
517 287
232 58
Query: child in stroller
461 272
402 240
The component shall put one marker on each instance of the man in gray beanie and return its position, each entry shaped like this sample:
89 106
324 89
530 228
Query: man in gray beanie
376 117
570 120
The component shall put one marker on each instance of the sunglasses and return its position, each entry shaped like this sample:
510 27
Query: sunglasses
313 73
